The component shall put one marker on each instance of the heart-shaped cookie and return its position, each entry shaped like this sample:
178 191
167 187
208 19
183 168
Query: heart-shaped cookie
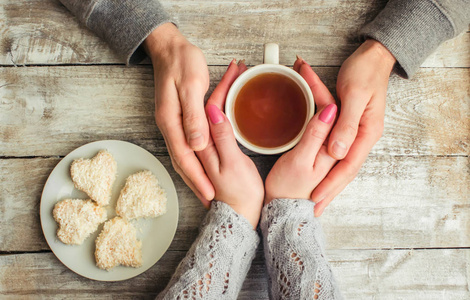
117 244
77 219
95 176
141 197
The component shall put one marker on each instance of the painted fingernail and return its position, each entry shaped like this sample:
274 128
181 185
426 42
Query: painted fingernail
215 115
195 140
339 149
328 114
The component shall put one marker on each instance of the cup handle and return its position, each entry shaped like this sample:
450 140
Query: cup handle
271 53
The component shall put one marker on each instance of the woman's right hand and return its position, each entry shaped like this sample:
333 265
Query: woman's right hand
296 173
233 174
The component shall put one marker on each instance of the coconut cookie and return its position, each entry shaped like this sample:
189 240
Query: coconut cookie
77 219
95 176
117 244
141 197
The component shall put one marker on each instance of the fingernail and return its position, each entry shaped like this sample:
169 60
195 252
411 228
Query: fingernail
299 58
339 149
215 115
241 62
328 114
195 140
232 62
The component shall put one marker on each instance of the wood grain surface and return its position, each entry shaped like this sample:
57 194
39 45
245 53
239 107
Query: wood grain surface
400 230
52 110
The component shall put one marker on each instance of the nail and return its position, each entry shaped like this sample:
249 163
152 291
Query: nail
328 114
339 149
298 57
215 115
232 62
195 140
241 62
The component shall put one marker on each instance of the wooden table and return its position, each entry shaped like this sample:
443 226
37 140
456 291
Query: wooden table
401 230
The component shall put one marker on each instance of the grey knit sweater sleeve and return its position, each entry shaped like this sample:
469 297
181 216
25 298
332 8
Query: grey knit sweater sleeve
413 29
218 261
123 24
295 252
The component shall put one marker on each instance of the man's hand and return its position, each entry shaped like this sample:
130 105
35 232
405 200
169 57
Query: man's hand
181 81
361 88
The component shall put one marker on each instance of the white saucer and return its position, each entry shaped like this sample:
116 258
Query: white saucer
156 234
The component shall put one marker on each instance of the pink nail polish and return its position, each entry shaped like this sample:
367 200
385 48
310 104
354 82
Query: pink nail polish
328 114
215 115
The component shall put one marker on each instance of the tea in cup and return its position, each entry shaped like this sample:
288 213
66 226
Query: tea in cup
269 105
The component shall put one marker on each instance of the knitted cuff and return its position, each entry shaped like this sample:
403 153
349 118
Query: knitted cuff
221 213
282 207
411 30
124 25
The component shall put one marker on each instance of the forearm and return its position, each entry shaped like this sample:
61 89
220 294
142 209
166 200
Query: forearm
294 251
218 261
413 29
124 24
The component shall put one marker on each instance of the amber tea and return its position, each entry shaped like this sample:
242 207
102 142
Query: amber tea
270 110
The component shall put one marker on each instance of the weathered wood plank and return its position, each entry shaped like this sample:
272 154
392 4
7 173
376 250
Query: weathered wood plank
395 202
52 110
323 32
362 274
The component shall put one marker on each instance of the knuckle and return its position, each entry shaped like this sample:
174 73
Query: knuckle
316 133
351 171
349 128
192 121
222 134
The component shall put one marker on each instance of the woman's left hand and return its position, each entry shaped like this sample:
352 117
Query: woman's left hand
233 174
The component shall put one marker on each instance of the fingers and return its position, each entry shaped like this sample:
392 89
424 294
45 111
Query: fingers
315 134
321 94
168 118
345 131
220 92
343 173
191 94
241 67
190 184
222 135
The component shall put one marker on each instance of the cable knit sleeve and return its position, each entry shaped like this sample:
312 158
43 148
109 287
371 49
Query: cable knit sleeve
295 252
123 24
413 29
218 261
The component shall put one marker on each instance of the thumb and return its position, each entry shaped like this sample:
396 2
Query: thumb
222 135
195 124
345 131
315 134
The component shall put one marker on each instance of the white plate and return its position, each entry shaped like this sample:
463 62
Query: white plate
156 234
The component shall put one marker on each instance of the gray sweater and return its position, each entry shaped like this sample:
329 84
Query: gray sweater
218 261
410 29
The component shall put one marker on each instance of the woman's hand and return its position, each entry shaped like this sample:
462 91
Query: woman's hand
233 174
361 88
298 172
181 81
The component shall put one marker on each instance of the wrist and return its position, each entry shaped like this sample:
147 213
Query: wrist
162 39
251 215
379 52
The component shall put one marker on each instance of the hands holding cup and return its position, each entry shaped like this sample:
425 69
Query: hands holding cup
296 173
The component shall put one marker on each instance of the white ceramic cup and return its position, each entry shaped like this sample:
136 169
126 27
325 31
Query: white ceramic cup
270 65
